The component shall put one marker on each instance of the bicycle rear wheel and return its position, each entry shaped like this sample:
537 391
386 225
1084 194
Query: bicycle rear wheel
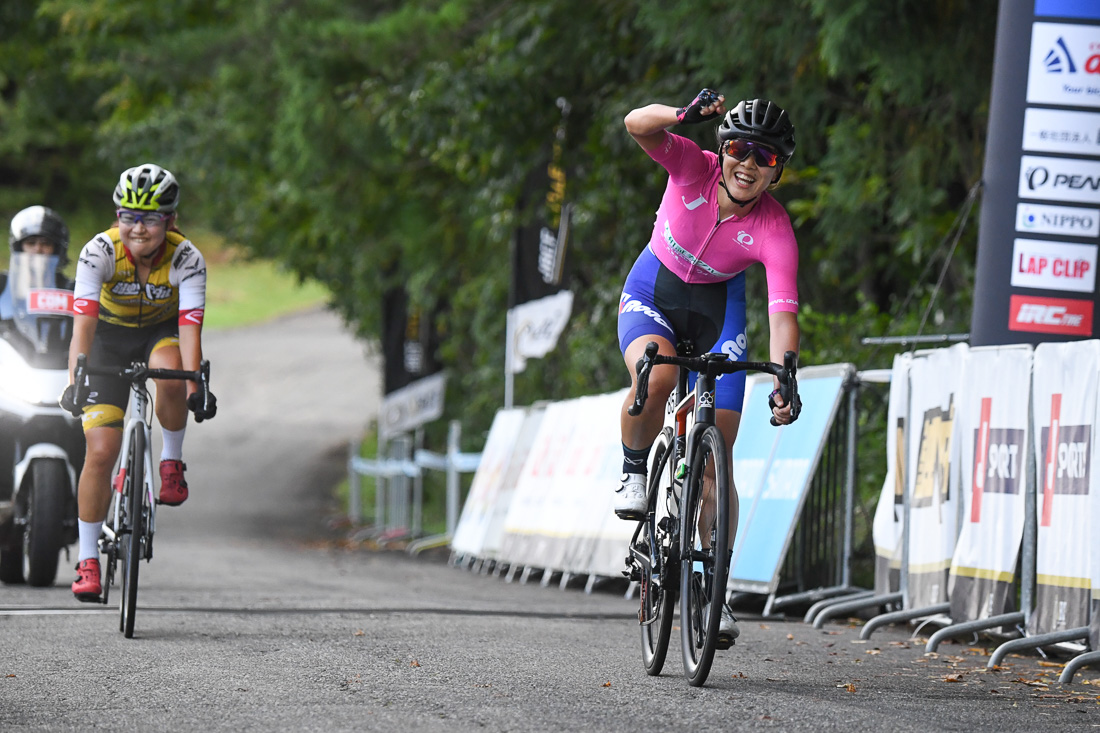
659 580
130 539
704 552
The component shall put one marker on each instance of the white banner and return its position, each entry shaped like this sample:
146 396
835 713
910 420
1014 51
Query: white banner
1065 402
483 498
993 425
534 327
1059 179
886 529
1068 221
1063 66
1061 131
411 406
1047 265
933 473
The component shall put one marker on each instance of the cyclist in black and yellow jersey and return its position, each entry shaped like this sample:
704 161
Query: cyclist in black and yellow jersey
140 296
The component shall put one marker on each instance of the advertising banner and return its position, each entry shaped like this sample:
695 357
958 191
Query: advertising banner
934 505
1064 391
993 423
483 497
886 530
772 469
534 327
1041 177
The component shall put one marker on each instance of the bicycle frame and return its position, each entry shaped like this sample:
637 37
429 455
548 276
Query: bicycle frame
139 413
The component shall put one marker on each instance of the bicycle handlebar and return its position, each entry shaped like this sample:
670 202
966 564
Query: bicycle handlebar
715 364
139 372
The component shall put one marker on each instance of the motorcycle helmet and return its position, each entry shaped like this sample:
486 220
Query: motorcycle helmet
147 187
39 221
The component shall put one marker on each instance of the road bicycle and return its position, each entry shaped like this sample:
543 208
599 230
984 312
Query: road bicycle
681 548
127 536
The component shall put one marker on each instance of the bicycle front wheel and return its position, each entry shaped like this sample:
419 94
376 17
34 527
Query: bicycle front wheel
133 499
658 584
704 553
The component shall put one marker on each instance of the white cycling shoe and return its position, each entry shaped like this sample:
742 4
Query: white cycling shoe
727 625
630 497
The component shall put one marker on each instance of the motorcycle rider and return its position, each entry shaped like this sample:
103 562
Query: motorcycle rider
35 230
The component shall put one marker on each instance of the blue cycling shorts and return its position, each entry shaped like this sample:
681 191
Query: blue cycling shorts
655 302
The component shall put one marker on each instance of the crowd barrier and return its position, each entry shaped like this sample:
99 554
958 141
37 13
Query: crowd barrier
989 494
541 500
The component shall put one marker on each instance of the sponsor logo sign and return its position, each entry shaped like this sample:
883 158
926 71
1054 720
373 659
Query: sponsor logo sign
1062 131
1064 457
411 406
1064 67
1054 265
1050 315
49 301
1059 179
1070 221
998 460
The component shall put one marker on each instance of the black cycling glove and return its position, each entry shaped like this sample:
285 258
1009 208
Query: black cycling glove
68 402
194 404
692 113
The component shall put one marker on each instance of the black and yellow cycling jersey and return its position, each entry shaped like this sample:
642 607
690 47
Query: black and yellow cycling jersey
107 284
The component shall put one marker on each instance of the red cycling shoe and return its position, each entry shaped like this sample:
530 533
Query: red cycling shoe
87 587
173 487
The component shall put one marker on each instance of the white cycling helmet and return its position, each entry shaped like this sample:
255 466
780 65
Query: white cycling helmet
147 187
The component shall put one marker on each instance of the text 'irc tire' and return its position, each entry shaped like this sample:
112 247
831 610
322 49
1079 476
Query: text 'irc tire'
44 532
134 529
704 548
658 583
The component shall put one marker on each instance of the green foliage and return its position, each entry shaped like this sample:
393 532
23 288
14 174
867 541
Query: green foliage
368 144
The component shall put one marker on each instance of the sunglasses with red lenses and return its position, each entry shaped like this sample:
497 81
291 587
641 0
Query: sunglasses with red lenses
740 149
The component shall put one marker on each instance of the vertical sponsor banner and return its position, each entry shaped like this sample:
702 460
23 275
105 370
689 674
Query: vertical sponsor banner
564 491
934 380
772 470
609 551
477 512
1064 391
1037 245
593 475
530 529
886 530
992 430
494 525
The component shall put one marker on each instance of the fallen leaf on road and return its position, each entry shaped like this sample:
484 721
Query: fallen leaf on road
953 678
874 651
765 627
790 637
606 684
415 663
850 687
360 632
1056 665
9 675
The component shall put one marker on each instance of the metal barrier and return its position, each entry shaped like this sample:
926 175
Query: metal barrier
399 496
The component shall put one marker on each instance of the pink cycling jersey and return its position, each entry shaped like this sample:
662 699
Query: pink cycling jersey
690 241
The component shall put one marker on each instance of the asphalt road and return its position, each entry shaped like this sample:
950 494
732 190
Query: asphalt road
253 615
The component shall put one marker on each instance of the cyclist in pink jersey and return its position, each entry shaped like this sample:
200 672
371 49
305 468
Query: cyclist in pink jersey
715 220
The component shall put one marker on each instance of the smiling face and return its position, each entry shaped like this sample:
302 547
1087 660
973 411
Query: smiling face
745 179
142 232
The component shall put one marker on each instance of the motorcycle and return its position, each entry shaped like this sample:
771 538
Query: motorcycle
41 445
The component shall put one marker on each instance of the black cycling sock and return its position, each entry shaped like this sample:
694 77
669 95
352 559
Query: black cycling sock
634 461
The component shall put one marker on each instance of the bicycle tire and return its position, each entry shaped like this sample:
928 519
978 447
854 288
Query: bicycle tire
658 600
131 539
703 573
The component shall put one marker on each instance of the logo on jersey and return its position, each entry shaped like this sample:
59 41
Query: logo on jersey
744 239
694 204
627 304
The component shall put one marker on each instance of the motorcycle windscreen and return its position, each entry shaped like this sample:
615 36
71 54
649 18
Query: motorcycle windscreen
42 311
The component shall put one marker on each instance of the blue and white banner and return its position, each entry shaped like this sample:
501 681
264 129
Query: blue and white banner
993 425
772 469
